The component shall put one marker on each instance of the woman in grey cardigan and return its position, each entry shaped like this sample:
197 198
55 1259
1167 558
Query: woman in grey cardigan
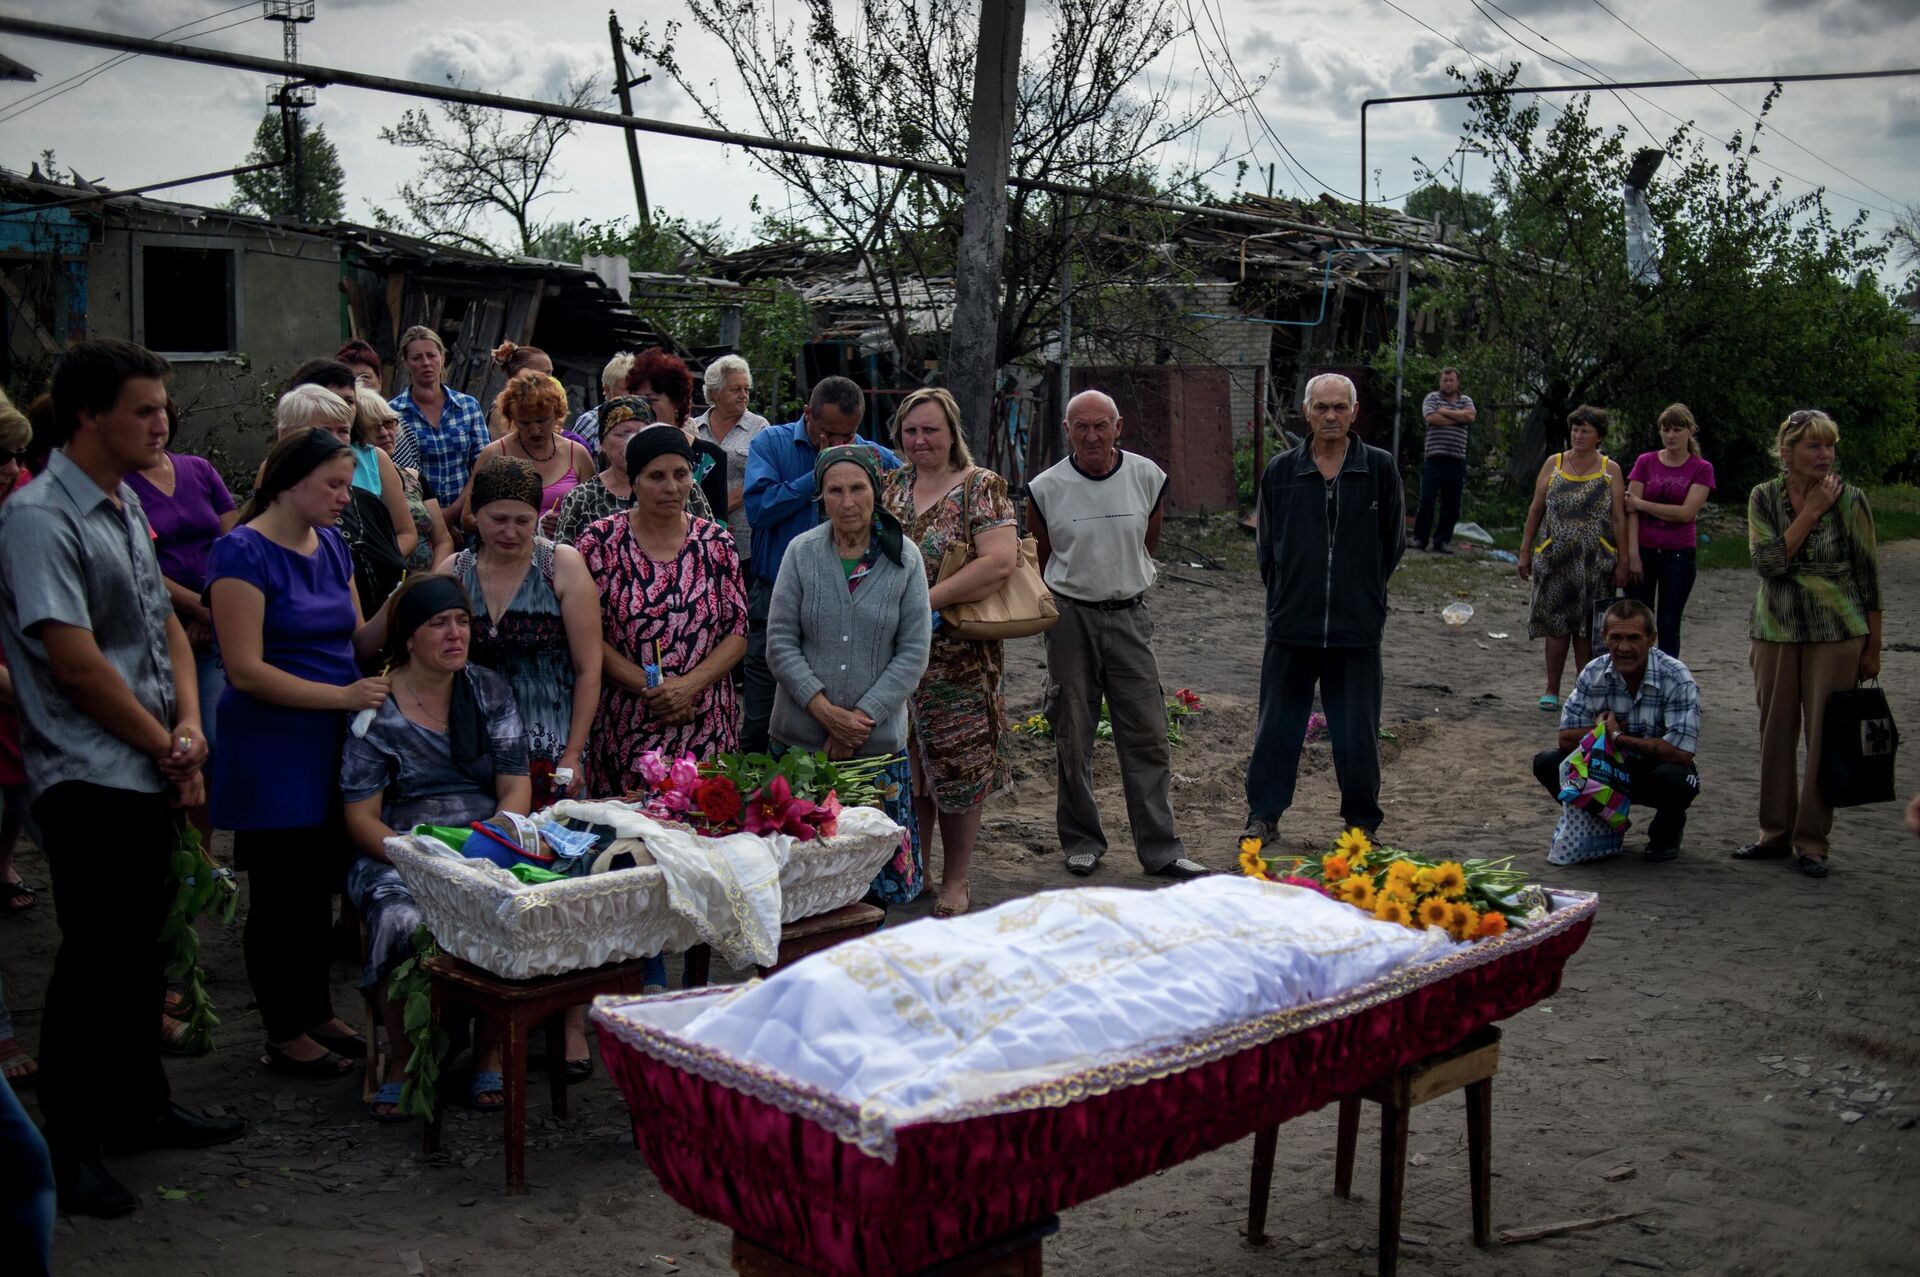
847 635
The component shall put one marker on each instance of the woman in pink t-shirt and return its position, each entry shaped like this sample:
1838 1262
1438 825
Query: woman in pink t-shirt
1665 491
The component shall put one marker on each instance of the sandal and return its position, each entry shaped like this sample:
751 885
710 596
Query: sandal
176 1038
320 1066
19 896
1761 851
348 1046
953 911
486 1084
19 1067
1812 866
1548 702
388 1094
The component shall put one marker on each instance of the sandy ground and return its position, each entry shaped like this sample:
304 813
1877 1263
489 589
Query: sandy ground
1739 1039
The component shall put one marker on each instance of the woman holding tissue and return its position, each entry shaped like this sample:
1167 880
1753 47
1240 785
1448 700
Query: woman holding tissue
674 617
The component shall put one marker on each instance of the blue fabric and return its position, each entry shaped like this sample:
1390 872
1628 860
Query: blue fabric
779 498
366 468
447 451
277 767
27 1202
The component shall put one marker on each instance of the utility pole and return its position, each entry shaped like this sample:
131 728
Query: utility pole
973 346
623 86
291 96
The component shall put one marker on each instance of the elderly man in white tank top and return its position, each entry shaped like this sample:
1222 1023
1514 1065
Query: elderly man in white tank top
1096 517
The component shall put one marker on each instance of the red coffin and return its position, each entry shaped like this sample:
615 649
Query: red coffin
761 1155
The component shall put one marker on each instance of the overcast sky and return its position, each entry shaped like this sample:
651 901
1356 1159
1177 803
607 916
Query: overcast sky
149 119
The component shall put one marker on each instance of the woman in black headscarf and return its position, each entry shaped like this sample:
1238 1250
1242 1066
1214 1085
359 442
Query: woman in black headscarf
673 619
843 685
446 748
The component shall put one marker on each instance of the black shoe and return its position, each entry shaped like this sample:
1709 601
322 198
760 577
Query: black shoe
1260 827
1441 549
1082 863
1761 851
1812 866
1181 870
88 1188
1659 854
179 1128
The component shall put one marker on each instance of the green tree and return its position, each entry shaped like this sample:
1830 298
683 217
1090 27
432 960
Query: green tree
1468 210
270 193
1765 302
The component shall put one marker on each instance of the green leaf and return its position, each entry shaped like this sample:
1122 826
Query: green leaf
166 1194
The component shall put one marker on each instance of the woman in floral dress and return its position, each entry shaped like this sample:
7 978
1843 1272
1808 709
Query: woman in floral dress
1579 513
959 717
674 621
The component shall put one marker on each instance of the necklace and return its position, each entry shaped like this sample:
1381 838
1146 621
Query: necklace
553 448
487 593
421 705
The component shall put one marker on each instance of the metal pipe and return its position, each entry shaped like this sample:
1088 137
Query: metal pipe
325 76
1696 81
98 196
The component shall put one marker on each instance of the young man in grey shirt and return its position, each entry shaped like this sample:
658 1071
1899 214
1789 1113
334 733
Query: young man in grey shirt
110 728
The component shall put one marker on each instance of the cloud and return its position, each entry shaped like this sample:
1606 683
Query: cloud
1903 113
1852 17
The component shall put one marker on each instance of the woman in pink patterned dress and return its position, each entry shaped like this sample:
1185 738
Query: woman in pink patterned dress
670 597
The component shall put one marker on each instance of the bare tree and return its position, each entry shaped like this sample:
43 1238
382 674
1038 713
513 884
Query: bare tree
1904 240
475 165
896 78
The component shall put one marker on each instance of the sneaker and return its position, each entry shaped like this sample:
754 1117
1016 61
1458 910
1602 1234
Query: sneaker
1262 828
1082 863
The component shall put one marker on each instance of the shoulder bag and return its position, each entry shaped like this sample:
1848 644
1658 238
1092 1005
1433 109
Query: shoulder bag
1022 606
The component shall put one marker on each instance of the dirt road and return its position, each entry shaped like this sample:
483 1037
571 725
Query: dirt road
1738 1037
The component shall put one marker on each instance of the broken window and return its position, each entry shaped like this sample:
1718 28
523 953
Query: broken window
187 300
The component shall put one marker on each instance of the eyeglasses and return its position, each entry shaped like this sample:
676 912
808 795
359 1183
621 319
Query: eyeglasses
1803 416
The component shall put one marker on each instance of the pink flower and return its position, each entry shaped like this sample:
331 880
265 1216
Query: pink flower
825 818
773 809
1309 884
654 767
676 801
685 774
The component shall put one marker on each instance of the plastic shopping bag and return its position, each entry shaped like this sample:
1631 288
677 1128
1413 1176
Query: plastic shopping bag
1593 778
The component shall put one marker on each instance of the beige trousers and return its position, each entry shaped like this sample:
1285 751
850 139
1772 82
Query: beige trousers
1791 683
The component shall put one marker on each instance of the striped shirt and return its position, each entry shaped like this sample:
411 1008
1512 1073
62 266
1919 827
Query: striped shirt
447 451
1823 594
1446 440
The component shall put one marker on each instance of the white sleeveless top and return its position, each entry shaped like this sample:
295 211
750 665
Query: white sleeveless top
1098 527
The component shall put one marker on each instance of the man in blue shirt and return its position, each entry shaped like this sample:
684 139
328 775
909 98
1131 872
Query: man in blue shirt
1651 706
781 504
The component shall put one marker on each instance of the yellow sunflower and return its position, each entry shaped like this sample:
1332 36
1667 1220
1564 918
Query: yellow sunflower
1335 867
1435 912
1251 864
1449 880
1464 922
1423 880
1250 846
1353 843
1358 891
1399 881
1388 909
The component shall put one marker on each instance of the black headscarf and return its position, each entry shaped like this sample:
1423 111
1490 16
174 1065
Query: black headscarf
506 479
886 528
425 598
653 443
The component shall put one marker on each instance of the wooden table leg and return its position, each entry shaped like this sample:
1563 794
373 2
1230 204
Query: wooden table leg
1393 1183
1345 1140
1261 1189
1480 1158
513 1067
430 1132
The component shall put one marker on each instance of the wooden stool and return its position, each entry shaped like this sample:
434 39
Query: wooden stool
799 938
1014 1254
374 1071
513 1008
1470 1065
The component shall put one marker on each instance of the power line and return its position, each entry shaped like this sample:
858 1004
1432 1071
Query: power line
20 106
1483 5
1730 101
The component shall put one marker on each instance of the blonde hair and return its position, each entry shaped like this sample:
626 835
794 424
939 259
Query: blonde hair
1678 414
1808 423
16 432
309 406
613 378
420 332
958 454
369 410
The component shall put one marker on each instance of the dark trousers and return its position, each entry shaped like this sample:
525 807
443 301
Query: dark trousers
1668 788
110 854
1350 687
291 877
1666 581
758 700
1442 480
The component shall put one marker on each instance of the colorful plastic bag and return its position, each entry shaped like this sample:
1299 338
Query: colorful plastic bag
1593 778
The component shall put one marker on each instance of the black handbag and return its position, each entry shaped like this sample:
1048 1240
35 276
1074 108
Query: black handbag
1858 740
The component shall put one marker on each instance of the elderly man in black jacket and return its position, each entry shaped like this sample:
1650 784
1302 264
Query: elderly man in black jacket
1332 528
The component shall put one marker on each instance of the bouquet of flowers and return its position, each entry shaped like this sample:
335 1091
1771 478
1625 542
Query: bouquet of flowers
801 794
1469 900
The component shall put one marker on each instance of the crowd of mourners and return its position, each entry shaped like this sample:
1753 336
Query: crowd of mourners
432 611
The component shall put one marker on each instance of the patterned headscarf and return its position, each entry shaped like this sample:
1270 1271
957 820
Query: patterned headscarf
506 479
886 529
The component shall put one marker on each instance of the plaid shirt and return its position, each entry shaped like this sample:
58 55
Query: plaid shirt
1667 707
447 451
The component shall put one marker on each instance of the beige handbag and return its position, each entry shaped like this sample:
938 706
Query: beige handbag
1020 607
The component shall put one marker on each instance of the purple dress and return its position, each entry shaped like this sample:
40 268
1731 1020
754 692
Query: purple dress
185 524
278 767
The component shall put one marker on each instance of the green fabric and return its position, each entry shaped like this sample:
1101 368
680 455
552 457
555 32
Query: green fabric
1824 593
534 874
454 838
848 565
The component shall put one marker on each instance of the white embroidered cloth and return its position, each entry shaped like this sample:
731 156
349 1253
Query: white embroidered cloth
914 1021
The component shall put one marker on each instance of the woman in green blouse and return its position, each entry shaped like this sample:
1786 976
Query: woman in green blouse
1816 628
